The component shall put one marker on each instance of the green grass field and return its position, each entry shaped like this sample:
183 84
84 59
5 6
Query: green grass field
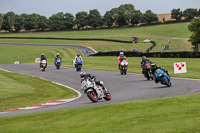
166 115
157 33
176 114
173 30
18 91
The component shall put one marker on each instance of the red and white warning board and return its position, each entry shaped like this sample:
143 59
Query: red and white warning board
180 67
37 60
16 62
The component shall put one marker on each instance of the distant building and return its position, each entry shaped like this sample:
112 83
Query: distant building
165 17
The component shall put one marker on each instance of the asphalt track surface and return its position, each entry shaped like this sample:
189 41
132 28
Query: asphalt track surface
82 49
123 88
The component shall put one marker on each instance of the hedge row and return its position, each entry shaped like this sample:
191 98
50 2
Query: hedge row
154 54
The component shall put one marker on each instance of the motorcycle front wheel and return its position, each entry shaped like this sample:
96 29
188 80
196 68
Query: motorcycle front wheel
167 83
92 96
107 96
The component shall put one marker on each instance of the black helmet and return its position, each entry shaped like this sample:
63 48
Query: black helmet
144 58
82 74
78 55
153 65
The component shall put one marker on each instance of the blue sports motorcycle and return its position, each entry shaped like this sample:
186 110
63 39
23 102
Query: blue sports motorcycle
162 77
58 63
79 65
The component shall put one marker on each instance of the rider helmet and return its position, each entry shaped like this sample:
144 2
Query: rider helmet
153 65
121 54
144 58
78 55
82 74
57 54
42 54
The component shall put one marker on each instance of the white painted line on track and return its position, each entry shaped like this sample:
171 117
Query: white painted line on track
4 70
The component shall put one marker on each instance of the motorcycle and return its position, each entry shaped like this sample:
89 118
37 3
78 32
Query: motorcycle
43 65
146 70
123 67
79 65
162 77
58 63
94 91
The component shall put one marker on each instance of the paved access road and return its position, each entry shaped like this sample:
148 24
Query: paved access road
123 88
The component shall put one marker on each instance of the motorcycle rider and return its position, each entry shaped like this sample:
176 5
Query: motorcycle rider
153 68
43 57
144 60
77 58
121 58
57 57
84 76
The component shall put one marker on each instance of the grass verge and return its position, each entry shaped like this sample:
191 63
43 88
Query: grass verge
19 90
176 114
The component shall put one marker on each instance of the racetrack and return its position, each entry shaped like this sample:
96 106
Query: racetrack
123 88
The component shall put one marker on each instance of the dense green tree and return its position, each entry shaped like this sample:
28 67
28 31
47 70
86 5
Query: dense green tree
114 15
95 18
68 20
82 19
31 21
107 19
18 23
199 13
43 23
176 14
124 14
1 19
137 17
194 27
57 21
150 17
190 13
8 21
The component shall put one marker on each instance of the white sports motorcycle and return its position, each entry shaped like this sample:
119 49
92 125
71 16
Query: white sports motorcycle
123 67
94 91
43 65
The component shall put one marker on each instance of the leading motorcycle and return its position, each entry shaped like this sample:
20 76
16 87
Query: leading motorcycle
43 65
94 92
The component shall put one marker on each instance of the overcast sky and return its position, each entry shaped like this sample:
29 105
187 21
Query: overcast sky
49 7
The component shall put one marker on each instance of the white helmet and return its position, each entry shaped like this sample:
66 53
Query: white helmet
121 54
57 53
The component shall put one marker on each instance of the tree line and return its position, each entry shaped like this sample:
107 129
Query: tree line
187 14
124 15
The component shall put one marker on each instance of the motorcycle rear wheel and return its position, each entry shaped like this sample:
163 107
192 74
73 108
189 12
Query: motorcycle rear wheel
92 96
